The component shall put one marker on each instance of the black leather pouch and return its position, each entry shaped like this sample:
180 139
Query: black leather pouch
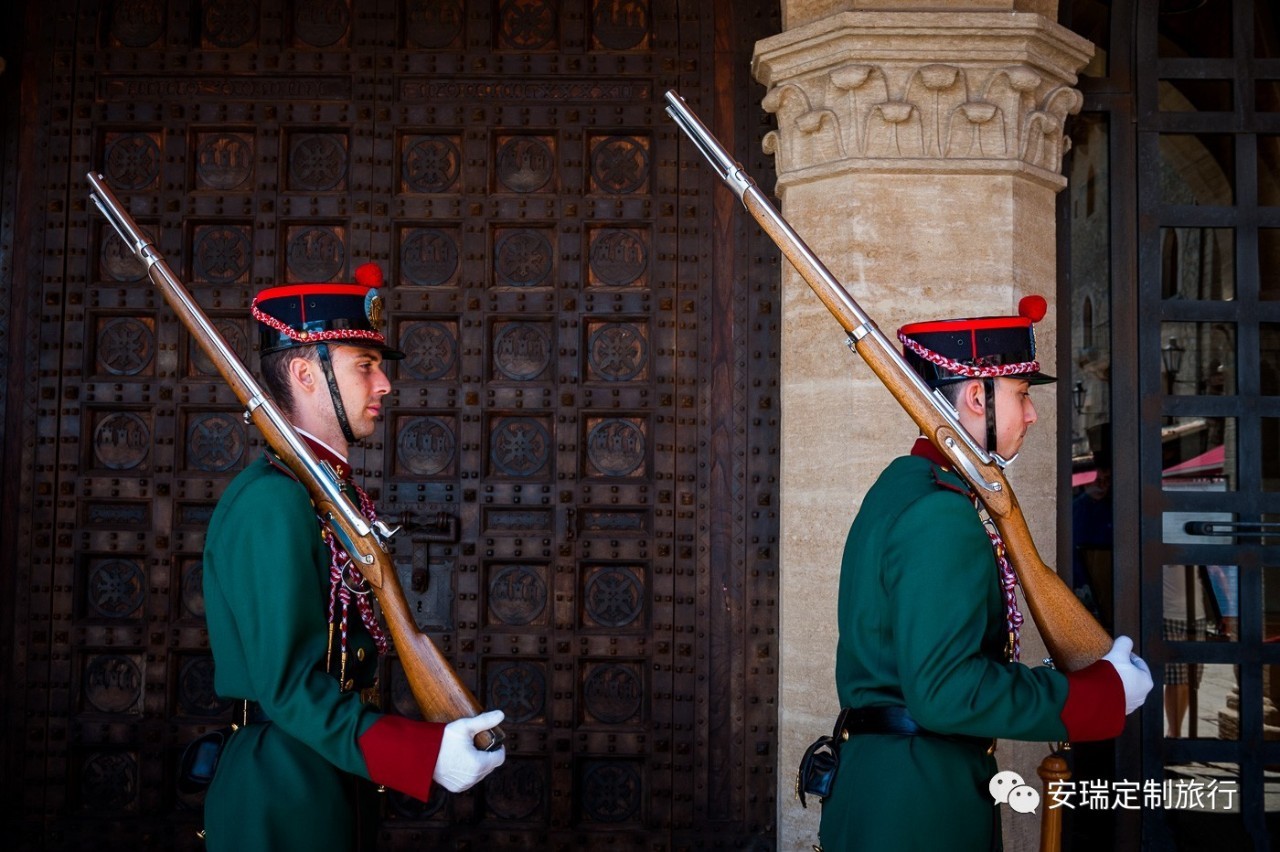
200 760
818 767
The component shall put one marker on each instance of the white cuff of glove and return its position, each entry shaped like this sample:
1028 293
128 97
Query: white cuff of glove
460 765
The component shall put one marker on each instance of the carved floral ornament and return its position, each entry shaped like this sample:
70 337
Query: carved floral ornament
966 116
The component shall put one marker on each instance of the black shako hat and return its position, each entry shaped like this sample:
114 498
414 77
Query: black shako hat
944 351
293 315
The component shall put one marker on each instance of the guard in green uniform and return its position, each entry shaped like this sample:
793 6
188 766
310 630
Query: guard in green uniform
928 622
294 635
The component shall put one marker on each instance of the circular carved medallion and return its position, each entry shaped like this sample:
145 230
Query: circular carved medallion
619 164
223 254
118 262
230 23
425 445
224 161
115 588
523 259
525 164
614 597
611 791
112 683
432 164
618 257
430 350
122 440
522 350
215 442
109 781
132 161
617 351
125 346
195 688
517 594
433 24
616 446
321 23
428 257
612 693
527 24
137 23
519 793
316 162
520 446
518 689
316 254
620 26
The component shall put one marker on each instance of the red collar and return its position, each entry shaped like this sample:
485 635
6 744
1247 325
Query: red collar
325 454
924 448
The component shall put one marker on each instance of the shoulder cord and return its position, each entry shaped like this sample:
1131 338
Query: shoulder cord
345 581
1008 580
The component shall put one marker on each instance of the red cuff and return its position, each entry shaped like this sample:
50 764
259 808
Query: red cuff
401 753
1095 703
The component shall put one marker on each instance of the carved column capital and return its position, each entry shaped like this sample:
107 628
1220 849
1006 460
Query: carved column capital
912 92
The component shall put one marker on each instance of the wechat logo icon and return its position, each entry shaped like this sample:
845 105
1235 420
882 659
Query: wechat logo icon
1008 788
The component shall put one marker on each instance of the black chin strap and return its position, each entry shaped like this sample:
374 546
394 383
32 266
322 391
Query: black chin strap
989 387
336 395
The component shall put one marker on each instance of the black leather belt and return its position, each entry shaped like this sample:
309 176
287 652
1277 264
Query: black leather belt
897 721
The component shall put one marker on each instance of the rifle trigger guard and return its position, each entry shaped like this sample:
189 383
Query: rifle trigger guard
971 472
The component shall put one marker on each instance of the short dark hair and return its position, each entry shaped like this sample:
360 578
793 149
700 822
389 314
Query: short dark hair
275 373
951 390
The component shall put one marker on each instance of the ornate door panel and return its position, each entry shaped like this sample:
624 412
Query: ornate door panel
580 445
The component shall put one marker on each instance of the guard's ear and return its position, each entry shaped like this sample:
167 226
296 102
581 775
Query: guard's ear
302 371
973 397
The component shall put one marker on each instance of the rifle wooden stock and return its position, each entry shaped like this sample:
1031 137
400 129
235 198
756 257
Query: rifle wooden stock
1073 636
440 695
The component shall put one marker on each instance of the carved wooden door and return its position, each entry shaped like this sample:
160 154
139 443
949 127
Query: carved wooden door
581 441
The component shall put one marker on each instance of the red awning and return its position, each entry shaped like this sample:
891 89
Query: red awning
1207 462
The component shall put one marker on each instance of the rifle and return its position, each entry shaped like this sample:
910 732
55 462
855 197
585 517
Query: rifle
1073 636
440 695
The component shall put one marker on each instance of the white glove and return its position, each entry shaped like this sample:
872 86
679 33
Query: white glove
460 765
1133 672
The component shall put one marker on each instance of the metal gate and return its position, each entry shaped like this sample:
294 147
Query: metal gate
1175 224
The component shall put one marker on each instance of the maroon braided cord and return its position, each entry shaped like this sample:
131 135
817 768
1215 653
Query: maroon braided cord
344 578
315 336
1008 580
980 372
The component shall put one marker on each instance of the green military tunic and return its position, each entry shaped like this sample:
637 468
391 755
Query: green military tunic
294 781
922 624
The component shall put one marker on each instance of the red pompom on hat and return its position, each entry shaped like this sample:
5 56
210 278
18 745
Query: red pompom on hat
1033 308
370 275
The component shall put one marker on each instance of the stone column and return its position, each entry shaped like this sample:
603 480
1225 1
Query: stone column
918 154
